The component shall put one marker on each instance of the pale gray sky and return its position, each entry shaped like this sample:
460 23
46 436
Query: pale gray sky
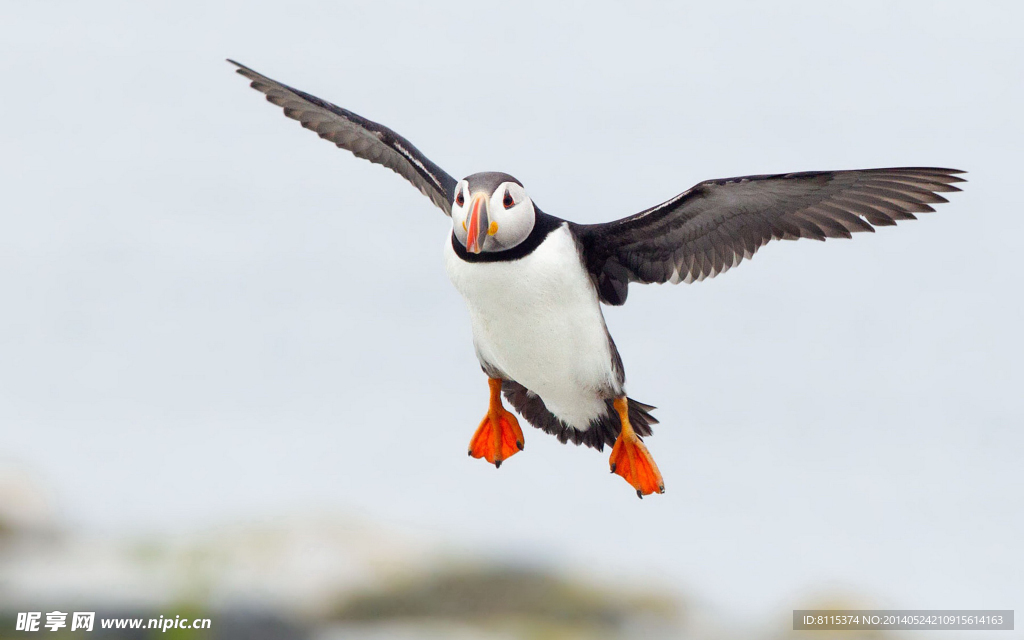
208 313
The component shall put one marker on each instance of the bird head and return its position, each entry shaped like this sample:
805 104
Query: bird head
491 212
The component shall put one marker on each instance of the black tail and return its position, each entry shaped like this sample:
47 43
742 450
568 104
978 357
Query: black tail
603 430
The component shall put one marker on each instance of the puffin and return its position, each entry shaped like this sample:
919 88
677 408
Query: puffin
534 283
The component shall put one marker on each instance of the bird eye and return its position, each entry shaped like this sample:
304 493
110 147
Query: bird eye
459 200
508 201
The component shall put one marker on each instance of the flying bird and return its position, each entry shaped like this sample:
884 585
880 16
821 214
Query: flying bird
534 283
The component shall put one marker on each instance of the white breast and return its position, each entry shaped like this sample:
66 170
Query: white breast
538 320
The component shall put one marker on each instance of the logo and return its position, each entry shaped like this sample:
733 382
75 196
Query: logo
30 620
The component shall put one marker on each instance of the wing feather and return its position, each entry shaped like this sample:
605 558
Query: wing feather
716 224
364 138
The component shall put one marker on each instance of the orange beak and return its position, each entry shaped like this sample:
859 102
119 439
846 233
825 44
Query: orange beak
477 224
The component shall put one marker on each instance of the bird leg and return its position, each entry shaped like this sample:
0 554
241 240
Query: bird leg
498 437
631 459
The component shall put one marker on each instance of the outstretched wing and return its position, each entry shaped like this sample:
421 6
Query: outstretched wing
716 224
364 138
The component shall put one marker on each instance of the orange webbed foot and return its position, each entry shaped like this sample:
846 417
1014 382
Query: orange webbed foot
631 459
499 436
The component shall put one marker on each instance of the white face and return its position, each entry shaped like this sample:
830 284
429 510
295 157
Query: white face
507 214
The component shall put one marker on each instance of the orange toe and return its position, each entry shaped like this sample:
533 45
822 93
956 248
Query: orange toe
499 436
631 460
497 439
630 457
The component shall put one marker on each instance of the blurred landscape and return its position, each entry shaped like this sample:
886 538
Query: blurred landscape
317 576
329 577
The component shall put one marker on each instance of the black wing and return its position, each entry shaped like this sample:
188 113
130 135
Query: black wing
364 138
716 224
